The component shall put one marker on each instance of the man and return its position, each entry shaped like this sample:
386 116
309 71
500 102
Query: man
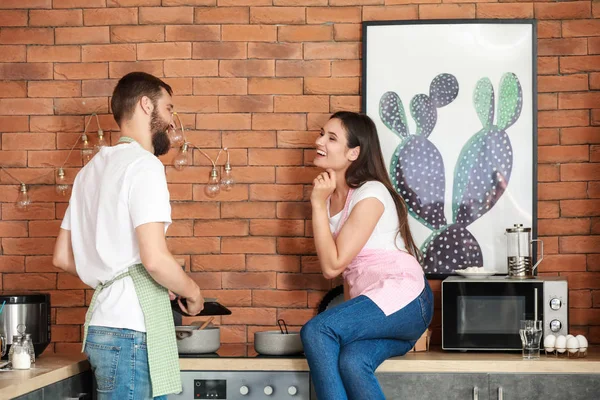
113 238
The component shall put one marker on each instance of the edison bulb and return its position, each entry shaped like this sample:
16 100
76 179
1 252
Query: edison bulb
182 159
227 180
87 151
23 199
176 137
102 142
212 189
61 183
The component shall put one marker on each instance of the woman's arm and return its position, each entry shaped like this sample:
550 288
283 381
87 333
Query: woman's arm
335 255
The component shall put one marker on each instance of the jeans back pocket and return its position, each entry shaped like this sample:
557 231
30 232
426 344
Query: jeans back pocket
104 360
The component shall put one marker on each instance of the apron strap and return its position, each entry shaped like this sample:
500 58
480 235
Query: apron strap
90 311
345 213
125 139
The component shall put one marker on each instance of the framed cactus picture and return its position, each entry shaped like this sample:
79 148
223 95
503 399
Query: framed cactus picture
454 103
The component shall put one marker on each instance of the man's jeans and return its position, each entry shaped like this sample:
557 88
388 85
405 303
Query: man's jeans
119 360
345 345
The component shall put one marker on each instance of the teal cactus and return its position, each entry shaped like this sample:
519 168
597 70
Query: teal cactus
485 162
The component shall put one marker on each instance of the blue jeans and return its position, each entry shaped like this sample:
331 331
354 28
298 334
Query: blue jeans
119 360
345 345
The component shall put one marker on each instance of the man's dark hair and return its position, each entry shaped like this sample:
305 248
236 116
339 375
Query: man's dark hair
130 89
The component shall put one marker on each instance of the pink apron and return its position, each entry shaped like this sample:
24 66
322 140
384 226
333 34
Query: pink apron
390 278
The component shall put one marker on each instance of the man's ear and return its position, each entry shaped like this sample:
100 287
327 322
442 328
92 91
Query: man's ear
147 105
354 153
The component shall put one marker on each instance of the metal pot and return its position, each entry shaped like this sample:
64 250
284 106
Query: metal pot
192 340
276 343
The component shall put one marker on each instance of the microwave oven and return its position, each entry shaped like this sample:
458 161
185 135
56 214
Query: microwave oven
485 313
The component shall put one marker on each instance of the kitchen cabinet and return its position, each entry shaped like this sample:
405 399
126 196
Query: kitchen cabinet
434 386
79 387
496 386
544 386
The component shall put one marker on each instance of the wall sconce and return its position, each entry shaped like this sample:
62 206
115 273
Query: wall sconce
183 159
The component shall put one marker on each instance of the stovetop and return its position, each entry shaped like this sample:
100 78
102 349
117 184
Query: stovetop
237 350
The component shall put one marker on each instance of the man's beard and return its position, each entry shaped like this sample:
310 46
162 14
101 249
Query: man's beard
160 138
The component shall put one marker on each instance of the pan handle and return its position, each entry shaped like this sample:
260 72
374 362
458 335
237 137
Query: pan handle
279 322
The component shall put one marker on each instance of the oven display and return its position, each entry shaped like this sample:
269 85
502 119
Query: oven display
210 389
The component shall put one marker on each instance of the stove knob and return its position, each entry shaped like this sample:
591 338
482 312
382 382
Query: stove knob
555 304
555 325
292 390
244 390
268 390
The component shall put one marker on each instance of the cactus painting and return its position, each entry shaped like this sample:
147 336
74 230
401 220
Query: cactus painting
481 175
454 103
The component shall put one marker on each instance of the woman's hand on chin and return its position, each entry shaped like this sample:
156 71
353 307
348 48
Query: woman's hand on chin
323 187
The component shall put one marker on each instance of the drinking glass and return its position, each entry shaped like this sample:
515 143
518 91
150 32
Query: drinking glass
531 336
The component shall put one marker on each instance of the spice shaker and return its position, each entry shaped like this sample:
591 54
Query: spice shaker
28 344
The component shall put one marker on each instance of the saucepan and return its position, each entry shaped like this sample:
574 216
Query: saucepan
278 343
194 339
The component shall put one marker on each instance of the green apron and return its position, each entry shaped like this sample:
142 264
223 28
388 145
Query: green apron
163 358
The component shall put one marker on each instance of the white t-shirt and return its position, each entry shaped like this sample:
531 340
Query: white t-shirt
385 235
121 188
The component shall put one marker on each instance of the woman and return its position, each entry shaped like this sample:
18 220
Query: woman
361 231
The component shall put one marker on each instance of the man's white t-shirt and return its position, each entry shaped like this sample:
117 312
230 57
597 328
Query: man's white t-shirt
121 188
385 235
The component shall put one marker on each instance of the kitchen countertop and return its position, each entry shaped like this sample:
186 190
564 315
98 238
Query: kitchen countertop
435 360
46 371
53 368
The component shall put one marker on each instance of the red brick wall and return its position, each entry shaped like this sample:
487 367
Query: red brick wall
260 77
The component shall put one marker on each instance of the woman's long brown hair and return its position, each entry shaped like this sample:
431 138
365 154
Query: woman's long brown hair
369 166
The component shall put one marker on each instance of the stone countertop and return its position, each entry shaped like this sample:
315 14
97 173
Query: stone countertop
50 369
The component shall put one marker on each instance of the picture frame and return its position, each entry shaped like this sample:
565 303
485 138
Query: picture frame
455 105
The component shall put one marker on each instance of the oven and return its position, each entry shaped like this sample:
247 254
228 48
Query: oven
485 313
245 385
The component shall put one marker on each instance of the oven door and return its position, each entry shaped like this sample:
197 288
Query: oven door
486 315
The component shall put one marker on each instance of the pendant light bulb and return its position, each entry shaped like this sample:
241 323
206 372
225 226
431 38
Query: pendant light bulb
212 189
102 142
182 159
23 200
227 180
87 151
61 183
176 136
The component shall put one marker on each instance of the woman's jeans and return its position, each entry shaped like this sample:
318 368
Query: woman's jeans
119 360
345 344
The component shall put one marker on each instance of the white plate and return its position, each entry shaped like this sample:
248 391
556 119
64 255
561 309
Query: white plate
475 275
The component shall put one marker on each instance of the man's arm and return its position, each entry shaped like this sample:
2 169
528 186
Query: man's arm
160 263
63 252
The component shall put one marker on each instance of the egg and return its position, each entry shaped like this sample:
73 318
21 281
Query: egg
573 344
561 344
569 336
549 342
583 343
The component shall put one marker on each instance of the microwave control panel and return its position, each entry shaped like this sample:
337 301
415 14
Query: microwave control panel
556 307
